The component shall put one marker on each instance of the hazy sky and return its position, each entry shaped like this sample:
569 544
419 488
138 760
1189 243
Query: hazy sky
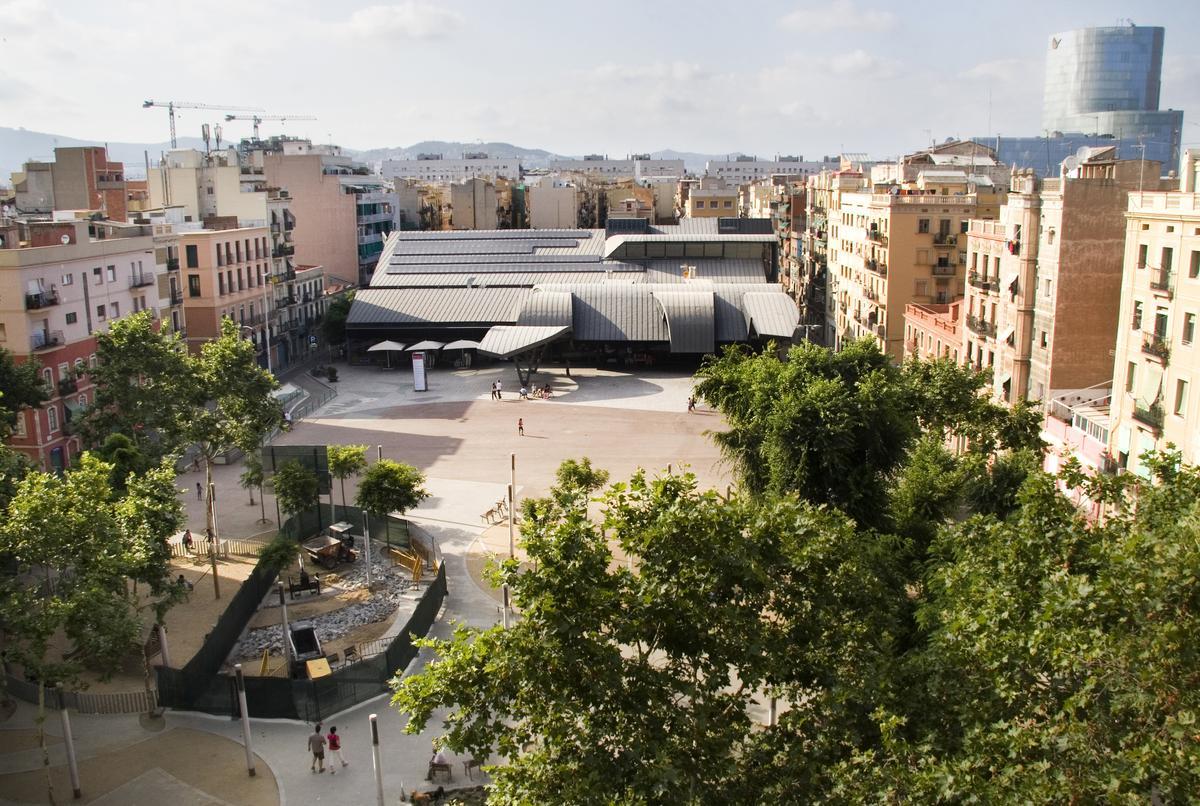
789 77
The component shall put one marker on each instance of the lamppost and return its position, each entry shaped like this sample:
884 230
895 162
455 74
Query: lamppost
266 340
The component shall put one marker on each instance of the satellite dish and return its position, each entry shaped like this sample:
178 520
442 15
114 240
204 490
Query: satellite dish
1069 165
66 239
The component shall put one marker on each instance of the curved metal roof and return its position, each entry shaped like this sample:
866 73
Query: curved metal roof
771 313
690 320
547 308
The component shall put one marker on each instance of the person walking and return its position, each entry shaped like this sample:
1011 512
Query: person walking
499 390
316 745
199 491
520 426
335 749
493 390
691 404
187 540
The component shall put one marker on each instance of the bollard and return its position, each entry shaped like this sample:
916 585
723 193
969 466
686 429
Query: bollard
69 741
375 759
241 690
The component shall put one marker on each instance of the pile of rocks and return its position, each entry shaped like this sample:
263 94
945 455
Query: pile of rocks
392 588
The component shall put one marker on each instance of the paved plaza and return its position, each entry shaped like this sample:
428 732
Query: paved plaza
461 439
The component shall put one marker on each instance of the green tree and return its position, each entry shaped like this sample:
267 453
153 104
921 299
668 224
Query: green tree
75 544
254 476
229 402
13 467
21 386
144 387
122 453
346 461
389 486
296 487
333 326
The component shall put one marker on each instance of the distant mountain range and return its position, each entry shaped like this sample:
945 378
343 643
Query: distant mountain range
19 145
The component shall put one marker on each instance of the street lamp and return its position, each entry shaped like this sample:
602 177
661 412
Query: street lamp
266 340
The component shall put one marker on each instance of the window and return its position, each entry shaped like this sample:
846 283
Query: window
1168 257
1143 251
1047 287
964 226
1189 327
1180 397
111 273
220 283
1045 340
78 366
48 376
72 317
922 225
68 279
193 284
92 361
20 431
1137 315
1194 266
100 312
220 256
728 204
114 310
1130 377
699 205
193 257
52 418
3 332
97 277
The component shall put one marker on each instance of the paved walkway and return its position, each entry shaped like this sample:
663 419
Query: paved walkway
462 440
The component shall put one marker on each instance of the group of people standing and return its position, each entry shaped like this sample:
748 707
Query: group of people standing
317 744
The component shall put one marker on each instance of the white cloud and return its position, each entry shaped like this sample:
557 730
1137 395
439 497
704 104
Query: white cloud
408 20
840 14
657 71
860 64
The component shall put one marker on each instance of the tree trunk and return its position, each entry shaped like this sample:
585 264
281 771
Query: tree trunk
343 481
262 505
210 524
41 727
250 490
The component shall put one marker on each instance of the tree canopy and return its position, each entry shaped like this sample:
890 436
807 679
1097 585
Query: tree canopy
390 486
21 386
296 487
346 461
937 627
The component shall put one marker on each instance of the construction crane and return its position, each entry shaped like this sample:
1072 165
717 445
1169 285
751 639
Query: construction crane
260 118
173 105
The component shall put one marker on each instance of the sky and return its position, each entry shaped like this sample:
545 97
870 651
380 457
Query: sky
615 77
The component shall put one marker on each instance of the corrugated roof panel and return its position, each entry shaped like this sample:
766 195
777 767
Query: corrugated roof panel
505 279
412 307
546 308
506 341
689 316
771 313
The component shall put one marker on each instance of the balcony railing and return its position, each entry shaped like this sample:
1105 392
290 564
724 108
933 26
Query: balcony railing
979 281
141 280
876 266
981 326
176 297
1151 415
877 236
943 270
1155 345
945 239
67 386
42 299
871 294
46 339
283 250
1162 284
172 264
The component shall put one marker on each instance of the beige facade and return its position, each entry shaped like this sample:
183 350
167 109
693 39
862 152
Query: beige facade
1157 365
553 206
887 250
226 273
933 331
474 205
711 200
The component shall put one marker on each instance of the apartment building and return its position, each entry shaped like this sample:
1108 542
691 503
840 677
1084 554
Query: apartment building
1157 364
80 178
227 269
743 169
474 205
61 283
434 168
933 331
897 243
553 205
711 198
346 212
637 166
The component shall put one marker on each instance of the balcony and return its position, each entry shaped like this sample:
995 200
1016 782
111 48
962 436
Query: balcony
943 270
981 326
172 264
284 301
876 266
876 236
141 280
980 281
46 339
42 299
1161 284
945 239
176 297
871 294
1151 415
283 250
67 386
1155 346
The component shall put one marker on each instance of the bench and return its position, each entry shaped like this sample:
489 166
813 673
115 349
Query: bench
470 765
295 588
438 769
